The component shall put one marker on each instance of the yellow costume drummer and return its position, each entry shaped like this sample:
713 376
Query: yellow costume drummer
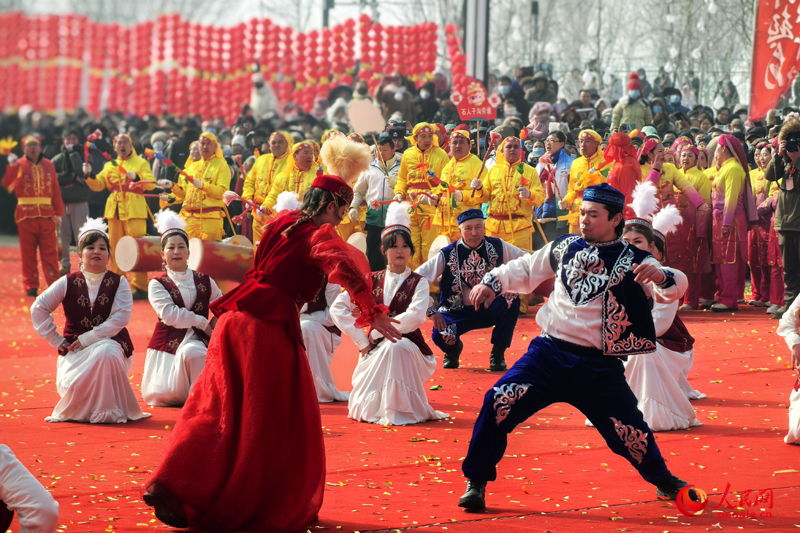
265 171
202 194
126 208
297 176
587 170
458 177
420 171
512 189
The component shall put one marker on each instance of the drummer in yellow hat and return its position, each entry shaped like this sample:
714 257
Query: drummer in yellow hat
265 171
589 169
202 194
418 179
126 209
455 190
298 174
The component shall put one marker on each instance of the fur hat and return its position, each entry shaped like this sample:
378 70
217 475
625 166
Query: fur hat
345 158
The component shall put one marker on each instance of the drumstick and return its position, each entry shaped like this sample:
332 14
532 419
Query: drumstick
492 140
380 157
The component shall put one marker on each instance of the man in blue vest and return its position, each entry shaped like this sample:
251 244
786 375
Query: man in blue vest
461 266
597 314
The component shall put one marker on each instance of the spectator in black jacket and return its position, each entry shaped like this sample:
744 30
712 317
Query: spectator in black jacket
74 192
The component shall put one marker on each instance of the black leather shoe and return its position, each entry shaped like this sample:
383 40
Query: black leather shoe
164 513
451 358
475 497
33 292
670 485
497 361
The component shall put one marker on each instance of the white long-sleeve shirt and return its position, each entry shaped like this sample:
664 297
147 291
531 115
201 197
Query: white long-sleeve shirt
559 317
410 320
37 511
47 302
432 268
374 184
169 312
789 327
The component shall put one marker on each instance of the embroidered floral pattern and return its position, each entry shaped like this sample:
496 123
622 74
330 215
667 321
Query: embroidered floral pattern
616 321
505 396
473 269
108 282
586 276
631 345
173 344
83 301
622 266
96 321
78 281
492 281
85 322
102 299
634 439
449 335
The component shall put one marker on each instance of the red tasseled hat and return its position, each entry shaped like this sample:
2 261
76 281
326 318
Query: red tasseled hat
634 83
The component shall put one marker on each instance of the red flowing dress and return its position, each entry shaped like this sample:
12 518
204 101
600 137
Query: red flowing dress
247 452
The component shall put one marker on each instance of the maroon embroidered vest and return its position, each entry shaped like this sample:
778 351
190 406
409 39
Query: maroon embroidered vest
399 304
320 303
677 338
82 315
167 338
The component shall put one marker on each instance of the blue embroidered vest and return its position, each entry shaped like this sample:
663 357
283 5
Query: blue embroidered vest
589 272
464 268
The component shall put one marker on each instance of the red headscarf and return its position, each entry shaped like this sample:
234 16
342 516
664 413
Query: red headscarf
625 173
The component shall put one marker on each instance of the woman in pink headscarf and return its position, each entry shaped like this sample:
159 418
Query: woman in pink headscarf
540 120
694 229
734 207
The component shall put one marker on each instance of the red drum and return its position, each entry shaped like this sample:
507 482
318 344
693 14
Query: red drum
138 254
223 261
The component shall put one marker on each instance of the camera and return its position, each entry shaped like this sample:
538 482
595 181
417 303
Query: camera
791 145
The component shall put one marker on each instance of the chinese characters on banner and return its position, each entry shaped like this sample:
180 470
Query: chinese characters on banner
475 103
776 54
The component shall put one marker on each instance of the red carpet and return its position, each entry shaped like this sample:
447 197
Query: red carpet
558 474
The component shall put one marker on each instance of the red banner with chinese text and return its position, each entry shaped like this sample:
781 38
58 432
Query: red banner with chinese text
776 54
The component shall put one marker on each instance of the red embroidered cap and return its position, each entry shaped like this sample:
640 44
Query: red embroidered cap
334 185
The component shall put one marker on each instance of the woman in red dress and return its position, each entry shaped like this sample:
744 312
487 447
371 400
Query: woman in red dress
247 452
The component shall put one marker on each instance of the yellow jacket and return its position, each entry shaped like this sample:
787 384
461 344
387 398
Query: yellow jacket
123 205
700 182
500 191
298 182
415 167
580 177
259 180
206 202
458 175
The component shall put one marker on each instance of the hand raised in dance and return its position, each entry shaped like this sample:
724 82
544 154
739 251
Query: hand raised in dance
482 294
383 325
647 272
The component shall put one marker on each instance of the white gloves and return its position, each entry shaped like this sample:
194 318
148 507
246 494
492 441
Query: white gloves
164 197
398 197
353 214
165 184
476 184
524 192
562 204
427 200
197 183
458 195
131 175
12 158
87 169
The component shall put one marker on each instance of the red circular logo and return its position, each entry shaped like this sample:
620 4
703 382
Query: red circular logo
689 507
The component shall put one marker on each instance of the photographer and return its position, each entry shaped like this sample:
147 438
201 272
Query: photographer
74 192
783 170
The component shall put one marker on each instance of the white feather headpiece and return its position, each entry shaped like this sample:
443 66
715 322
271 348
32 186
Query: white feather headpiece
666 221
166 220
287 201
93 224
397 218
644 201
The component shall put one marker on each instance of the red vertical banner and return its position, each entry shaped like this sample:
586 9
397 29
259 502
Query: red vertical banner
71 47
5 59
776 54
48 59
